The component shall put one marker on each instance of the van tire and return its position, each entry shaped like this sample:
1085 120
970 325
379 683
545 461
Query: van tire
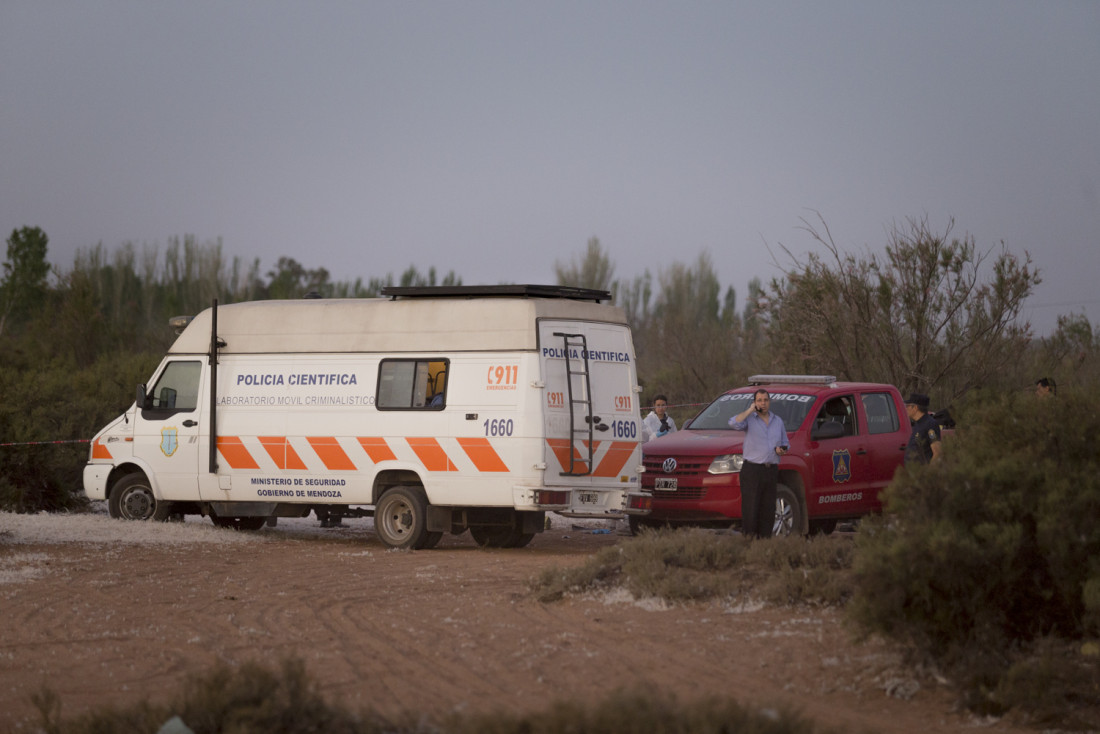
132 498
401 519
789 515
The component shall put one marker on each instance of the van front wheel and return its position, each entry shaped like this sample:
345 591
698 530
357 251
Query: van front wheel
132 498
401 519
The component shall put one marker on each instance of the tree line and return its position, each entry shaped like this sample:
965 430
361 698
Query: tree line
931 312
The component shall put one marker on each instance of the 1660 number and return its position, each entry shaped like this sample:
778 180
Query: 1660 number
624 429
499 427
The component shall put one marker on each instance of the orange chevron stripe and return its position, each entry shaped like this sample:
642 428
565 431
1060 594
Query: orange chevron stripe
282 453
99 451
482 454
377 449
615 459
562 448
331 454
235 454
431 454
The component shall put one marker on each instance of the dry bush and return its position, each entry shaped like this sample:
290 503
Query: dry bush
255 700
693 565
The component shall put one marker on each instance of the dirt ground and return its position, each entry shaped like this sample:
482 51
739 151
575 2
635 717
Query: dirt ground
106 612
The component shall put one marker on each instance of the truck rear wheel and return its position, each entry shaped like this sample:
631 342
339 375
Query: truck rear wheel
788 512
132 498
401 519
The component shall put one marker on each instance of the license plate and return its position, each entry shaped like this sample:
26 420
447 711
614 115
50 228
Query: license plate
665 483
588 498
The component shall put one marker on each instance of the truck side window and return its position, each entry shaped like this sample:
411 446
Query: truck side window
882 415
178 387
412 384
840 410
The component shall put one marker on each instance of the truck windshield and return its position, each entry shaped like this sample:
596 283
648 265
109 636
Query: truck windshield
791 407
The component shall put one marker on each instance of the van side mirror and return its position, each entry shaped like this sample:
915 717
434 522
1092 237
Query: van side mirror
141 398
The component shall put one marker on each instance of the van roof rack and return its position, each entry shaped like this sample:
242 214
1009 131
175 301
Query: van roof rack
496 291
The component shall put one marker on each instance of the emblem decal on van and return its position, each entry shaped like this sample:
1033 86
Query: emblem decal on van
169 440
842 466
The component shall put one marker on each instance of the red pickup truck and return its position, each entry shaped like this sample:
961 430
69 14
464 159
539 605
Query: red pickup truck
847 439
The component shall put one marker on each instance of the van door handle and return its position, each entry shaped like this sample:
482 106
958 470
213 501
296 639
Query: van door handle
190 423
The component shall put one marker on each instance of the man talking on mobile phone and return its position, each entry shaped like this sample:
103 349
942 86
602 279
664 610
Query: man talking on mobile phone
765 441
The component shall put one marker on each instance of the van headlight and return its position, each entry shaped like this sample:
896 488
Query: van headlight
726 464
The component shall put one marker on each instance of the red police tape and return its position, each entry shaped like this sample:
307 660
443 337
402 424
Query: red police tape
88 440
46 443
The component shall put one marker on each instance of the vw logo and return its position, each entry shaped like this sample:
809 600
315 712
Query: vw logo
669 466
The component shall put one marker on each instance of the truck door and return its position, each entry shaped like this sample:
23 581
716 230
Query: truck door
841 465
885 441
166 429
591 420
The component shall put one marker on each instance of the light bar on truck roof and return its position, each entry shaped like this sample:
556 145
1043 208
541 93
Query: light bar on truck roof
793 379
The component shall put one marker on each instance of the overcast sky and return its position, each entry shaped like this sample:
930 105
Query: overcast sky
495 138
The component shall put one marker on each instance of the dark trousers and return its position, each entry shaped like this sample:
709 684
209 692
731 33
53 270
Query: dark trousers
758 499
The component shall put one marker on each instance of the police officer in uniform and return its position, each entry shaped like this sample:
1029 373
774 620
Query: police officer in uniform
924 442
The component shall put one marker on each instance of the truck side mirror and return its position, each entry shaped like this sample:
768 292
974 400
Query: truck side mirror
827 430
141 398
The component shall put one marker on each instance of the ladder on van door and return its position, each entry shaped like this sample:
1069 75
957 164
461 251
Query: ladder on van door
582 404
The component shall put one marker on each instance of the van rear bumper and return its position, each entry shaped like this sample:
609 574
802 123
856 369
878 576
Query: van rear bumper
614 505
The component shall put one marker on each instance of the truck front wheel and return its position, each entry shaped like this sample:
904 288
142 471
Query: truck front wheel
132 498
788 512
401 519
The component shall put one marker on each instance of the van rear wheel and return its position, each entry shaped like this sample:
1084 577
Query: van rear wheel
132 498
401 519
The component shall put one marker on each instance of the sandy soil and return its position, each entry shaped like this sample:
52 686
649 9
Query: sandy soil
106 612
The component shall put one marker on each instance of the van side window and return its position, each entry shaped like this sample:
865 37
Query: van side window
412 384
882 415
178 387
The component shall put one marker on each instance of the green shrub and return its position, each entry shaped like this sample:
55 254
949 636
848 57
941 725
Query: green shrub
996 547
52 408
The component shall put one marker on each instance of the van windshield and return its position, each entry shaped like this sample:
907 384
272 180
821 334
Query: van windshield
791 407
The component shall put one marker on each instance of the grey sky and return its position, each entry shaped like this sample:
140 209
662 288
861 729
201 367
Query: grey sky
495 138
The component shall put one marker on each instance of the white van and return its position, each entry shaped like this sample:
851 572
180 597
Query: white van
433 410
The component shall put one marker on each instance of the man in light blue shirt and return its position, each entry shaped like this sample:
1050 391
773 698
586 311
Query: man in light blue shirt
765 441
